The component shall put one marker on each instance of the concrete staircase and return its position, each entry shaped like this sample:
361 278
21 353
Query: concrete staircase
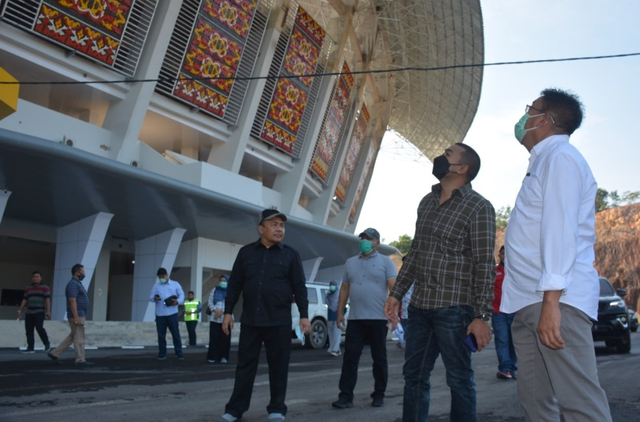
103 334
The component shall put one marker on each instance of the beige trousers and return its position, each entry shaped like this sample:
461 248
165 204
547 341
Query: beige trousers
75 337
553 381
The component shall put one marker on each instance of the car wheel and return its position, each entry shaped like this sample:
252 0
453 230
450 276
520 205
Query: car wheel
625 344
318 336
634 329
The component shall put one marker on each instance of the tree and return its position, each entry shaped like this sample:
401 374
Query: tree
601 200
606 200
403 244
502 217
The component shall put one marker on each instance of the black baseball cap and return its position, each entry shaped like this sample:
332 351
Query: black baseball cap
268 214
162 271
371 233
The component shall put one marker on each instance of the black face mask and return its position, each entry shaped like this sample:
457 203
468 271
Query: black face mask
81 277
440 167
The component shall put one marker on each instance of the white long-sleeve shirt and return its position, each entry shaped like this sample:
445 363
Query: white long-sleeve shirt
551 232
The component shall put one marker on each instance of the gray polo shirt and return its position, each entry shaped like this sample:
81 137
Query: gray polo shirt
367 279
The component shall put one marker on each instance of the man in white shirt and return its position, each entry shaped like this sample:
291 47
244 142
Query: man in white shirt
550 279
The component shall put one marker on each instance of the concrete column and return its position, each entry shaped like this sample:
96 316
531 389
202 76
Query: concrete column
125 118
4 198
101 285
152 253
197 264
290 184
230 154
78 243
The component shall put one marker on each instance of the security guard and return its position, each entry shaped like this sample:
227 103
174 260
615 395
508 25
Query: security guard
192 309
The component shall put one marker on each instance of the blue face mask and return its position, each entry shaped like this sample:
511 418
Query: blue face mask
332 288
366 246
223 285
162 280
519 129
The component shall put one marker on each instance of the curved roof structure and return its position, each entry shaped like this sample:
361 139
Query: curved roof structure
431 109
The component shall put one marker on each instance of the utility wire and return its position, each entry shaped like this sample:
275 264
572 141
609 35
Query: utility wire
253 78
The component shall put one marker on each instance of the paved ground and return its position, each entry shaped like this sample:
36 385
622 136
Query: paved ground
130 385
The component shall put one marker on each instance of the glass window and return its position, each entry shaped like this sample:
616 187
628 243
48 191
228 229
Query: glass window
605 288
312 295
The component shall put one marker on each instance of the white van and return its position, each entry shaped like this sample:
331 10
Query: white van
318 338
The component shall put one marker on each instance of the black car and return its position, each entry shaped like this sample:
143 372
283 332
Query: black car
633 320
612 326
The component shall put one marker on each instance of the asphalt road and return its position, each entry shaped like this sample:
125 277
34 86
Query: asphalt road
131 385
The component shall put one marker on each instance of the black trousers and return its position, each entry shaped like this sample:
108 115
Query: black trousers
36 321
191 329
219 343
277 342
360 331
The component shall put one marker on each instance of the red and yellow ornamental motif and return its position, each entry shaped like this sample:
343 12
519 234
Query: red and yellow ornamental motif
310 26
72 33
353 154
301 57
235 15
330 135
201 96
211 55
109 15
289 98
368 165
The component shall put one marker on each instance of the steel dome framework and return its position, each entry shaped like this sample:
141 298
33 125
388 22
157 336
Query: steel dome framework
431 109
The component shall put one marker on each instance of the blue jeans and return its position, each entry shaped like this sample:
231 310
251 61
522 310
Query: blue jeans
429 334
170 322
507 359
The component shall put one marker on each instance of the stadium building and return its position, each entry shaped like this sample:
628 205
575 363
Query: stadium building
150 133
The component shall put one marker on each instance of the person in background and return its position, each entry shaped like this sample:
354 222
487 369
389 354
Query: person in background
192 309
219 342
37 301
501 322
368 277
77 307
167 295
335 333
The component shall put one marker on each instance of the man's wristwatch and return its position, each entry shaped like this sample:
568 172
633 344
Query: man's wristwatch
483 317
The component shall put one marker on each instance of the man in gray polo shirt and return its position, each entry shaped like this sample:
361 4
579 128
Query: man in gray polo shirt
368 278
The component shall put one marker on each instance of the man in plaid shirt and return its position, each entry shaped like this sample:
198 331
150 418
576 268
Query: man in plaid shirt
452 264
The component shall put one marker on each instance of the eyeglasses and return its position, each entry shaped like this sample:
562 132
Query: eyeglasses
528 107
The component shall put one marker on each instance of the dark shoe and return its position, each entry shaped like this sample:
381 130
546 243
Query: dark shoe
27 351
161 358
47 347
514 375
377 402
180 357
84 363
504 375
53 358
342 404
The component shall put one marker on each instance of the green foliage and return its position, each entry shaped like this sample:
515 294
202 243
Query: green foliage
403 244
502 217
606 200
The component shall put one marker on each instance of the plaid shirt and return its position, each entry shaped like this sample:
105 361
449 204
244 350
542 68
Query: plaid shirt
451 259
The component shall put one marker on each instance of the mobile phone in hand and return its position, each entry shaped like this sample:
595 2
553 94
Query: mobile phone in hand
471 343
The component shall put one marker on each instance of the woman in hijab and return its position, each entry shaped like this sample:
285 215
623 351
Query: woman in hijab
219 342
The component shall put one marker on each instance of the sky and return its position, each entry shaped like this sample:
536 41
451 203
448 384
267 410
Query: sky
531 30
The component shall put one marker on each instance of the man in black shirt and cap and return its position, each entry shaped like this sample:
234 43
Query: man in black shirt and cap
268 274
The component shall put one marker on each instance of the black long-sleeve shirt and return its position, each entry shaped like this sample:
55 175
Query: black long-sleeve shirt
268 278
